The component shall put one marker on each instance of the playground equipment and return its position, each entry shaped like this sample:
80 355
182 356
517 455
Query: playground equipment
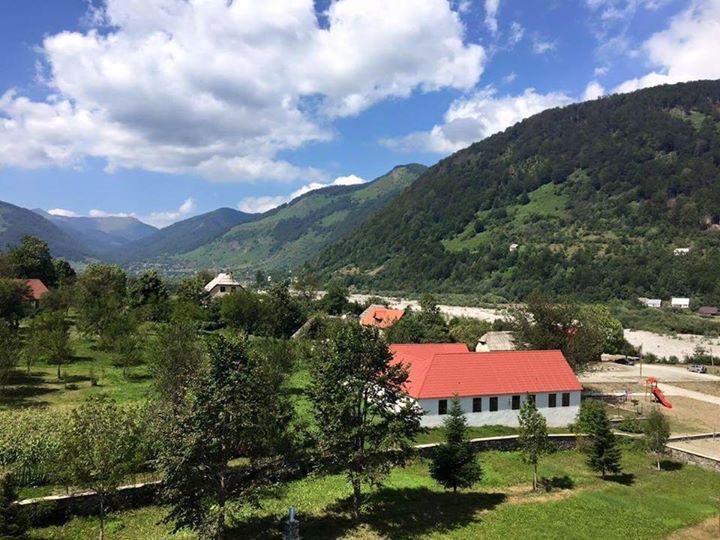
652 383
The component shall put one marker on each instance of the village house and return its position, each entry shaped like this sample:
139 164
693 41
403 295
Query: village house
681 251
222 284
380 317
651 302
491 386
680 303
496 341
708 311
37 290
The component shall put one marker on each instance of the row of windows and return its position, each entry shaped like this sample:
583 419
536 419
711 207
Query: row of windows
477 403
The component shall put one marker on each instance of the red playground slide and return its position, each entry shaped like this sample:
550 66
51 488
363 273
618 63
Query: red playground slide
661 397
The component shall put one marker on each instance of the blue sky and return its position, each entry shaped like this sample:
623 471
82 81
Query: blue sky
167 108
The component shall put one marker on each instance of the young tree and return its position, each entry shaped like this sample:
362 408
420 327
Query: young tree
32 259
148 295
600 446
48 339
13 521
14 301
282 313
454 464
9 345
657 433
533 436
241 310
101 297
174 356
100 447
234 409
366 423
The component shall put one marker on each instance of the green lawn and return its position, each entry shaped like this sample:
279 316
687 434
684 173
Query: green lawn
643 503
41 387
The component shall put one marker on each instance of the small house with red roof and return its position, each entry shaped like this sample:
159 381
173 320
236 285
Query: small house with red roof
380 316
37 290
491 386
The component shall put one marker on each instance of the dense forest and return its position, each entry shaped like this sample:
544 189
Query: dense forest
597 196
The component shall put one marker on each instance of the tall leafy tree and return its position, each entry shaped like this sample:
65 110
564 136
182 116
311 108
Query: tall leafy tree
9 346
599 444
234 409
366 423
335 301
242 310
64 273
101 297
533 436
100 447
657 434
454 463
32 259
14 301
48 339
283 313
149 295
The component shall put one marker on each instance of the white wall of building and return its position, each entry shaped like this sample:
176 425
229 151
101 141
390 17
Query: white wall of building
558 416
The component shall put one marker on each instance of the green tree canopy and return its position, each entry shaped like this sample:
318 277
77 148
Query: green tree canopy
32 259
657 434
599 445
366 424
533 436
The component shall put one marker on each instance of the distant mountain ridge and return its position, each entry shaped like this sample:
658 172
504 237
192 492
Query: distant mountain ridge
183 236
101 235
288 236
16 222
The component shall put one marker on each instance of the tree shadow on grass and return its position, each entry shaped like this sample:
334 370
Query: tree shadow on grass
390 512
626 479
23 396
669 465
557 483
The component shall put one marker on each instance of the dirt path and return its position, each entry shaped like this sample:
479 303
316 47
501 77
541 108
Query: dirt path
707 530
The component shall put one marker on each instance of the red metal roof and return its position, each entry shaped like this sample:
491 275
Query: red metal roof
381 317
434 373
37 288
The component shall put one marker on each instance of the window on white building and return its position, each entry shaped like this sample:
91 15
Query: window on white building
442 406
477 404
566 399
515 403
493 404
552 400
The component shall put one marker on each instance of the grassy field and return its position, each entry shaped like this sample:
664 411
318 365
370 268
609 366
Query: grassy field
41 388
642 503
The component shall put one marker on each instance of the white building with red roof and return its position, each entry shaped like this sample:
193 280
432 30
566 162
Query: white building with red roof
491 386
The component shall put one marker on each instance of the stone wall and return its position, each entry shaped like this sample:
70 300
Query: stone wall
504 443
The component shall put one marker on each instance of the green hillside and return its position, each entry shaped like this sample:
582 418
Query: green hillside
597 195
296 232
182 236
16 222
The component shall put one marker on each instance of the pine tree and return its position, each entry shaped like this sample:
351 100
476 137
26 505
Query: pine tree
453 463
600 448
657 433
533 437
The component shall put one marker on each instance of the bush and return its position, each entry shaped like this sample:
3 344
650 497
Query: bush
630 425
13 522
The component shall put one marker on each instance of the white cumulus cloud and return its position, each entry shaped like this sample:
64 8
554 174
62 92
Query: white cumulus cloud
218 88
261 204
593 90
478 116
491 9
685 51
158 219
62 212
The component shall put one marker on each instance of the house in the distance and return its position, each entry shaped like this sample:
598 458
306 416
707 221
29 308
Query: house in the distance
681 251
222 284
491 386
708 311
496 341
651 302
680 303
37 290
380 316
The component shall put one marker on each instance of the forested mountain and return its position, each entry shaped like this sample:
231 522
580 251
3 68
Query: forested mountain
288 236
182 236
597 196
16 222
101 235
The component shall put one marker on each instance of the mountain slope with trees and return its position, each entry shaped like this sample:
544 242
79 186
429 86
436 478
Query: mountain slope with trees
183 236
16 222
290 235
597 195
